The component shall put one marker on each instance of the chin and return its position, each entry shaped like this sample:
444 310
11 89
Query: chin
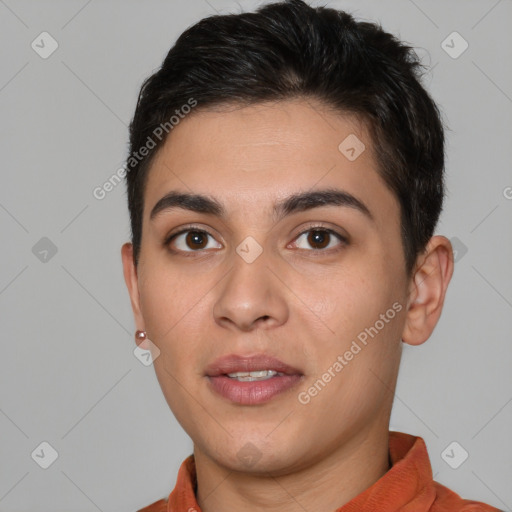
259 455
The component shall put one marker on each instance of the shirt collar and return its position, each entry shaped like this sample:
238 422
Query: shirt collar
407 486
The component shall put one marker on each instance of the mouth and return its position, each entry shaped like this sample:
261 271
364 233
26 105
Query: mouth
251 380
258 375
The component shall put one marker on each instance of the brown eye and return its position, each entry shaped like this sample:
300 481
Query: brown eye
191 240
320 239
196 240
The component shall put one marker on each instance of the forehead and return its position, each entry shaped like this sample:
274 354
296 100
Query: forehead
250 157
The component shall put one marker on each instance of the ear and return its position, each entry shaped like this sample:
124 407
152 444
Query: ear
427 290
132 283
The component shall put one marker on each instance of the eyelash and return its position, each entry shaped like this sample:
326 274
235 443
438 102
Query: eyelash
192 228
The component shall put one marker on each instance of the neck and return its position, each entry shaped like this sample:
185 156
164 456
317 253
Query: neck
324 484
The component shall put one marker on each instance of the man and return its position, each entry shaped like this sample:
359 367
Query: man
284 184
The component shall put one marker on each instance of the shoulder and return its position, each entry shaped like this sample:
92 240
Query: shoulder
157 506
449 501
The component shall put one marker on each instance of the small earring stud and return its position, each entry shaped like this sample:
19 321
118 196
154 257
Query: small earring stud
140 335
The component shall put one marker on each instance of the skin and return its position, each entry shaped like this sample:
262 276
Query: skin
294 302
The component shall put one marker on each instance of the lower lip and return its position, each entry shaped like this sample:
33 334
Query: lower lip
255 392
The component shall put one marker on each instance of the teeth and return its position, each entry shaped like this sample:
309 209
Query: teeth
252 376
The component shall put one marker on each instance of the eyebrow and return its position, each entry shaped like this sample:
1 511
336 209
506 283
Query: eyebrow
295 203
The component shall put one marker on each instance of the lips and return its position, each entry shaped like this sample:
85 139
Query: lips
234 363
251 392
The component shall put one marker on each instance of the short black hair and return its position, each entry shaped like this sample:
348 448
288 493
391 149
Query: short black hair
288 50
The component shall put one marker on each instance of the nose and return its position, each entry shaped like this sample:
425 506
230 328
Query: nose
252 295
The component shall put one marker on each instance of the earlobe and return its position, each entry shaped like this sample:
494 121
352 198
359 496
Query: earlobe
131 280
428 290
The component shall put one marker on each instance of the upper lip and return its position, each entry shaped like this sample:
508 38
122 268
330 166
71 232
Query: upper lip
236 363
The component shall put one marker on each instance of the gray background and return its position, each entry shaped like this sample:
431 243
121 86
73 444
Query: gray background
68 374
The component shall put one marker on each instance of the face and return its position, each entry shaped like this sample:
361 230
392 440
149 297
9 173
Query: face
318 284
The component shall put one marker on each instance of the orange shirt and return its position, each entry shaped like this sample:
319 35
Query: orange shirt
408 486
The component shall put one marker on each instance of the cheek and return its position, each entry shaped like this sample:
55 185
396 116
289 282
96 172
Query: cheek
177 311
364 362
349 302
167 299
171 311
365 315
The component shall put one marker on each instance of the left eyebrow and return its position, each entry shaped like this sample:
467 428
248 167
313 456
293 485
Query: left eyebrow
294 203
